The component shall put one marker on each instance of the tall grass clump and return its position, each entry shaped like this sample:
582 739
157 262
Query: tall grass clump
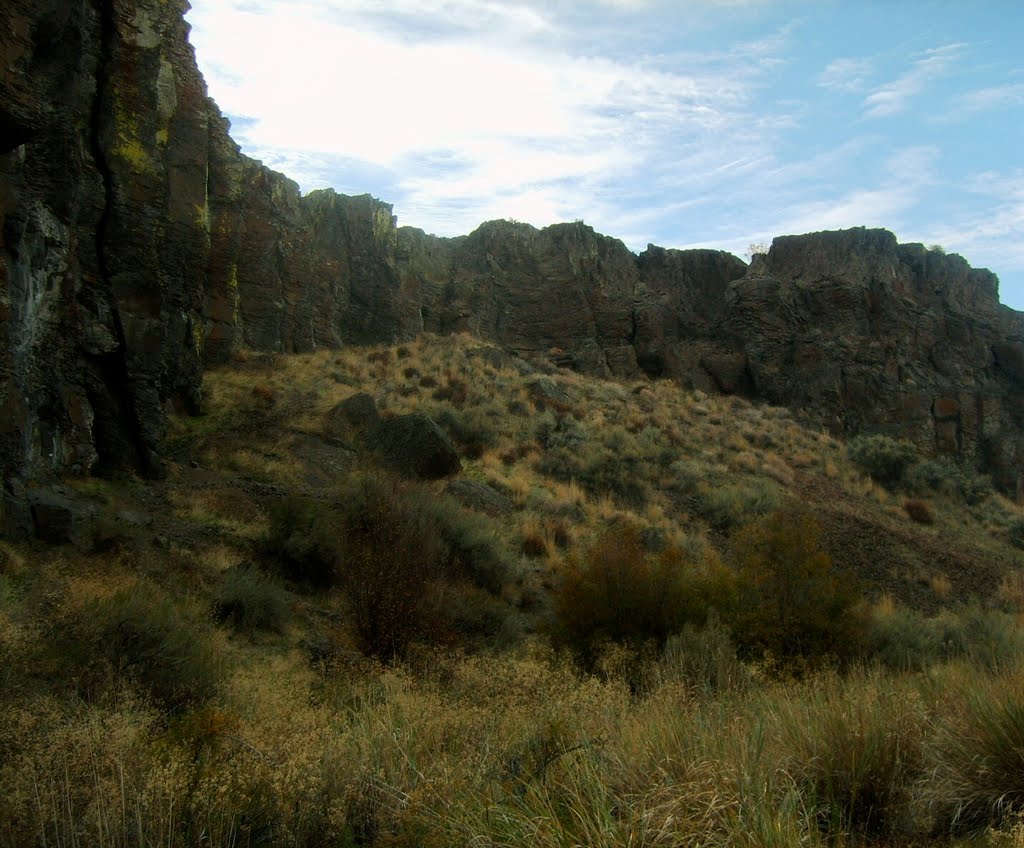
976 757
855 748
141 635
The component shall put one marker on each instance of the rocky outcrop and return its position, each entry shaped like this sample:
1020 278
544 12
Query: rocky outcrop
103 242
137 244
413 445
867 335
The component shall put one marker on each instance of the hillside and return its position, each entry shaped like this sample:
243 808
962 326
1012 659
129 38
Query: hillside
198 663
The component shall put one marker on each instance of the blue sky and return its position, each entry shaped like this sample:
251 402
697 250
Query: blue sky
691 123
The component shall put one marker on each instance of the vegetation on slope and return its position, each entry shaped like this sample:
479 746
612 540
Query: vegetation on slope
674 619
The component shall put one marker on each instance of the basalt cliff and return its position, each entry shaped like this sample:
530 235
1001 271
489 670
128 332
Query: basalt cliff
138 245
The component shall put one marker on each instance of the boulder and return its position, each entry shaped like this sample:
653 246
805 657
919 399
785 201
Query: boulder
357 413
414 445
479 497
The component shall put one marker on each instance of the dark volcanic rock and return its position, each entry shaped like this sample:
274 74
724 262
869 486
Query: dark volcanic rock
415 446
138 244
479 497
867 335
356 413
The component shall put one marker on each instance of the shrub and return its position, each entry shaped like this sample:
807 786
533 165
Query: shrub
303 536
944 476
559 431
905 640
141 634
393 550
251 600
619 592
886 460
918 511
474 551
475 429
728 506
792 605
384 543
1015 534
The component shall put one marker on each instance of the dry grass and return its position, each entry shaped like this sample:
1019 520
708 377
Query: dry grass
299 740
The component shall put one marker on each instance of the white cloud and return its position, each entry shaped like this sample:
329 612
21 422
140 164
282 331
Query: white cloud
992 236
849 75
993 97
895 96
473 125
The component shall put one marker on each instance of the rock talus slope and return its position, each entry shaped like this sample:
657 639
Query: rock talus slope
137 245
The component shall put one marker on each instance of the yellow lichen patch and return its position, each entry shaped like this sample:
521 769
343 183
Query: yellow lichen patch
135 155
202 221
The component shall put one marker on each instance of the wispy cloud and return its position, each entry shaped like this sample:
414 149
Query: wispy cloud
849 75
991 236
895 96
993 97
469 127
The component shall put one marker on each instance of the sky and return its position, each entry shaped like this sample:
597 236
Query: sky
682 123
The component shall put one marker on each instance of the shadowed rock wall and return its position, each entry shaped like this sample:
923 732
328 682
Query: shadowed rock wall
137 244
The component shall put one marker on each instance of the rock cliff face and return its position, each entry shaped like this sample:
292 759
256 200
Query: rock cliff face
137 244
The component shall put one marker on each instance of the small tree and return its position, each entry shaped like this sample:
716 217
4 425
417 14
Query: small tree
757 248
620 592
792 604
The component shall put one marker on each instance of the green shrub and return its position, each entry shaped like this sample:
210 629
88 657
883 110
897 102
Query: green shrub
619 592
249 600
944 476
730 505
1015 534
793 606
977 754
303 538
559 431
886 460
475 429
142 635
600 470
992 638
473 549
904 640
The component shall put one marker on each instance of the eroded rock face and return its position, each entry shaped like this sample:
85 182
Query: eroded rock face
103 249
138 244
867 335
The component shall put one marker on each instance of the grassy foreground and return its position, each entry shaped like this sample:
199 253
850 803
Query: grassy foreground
215 671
